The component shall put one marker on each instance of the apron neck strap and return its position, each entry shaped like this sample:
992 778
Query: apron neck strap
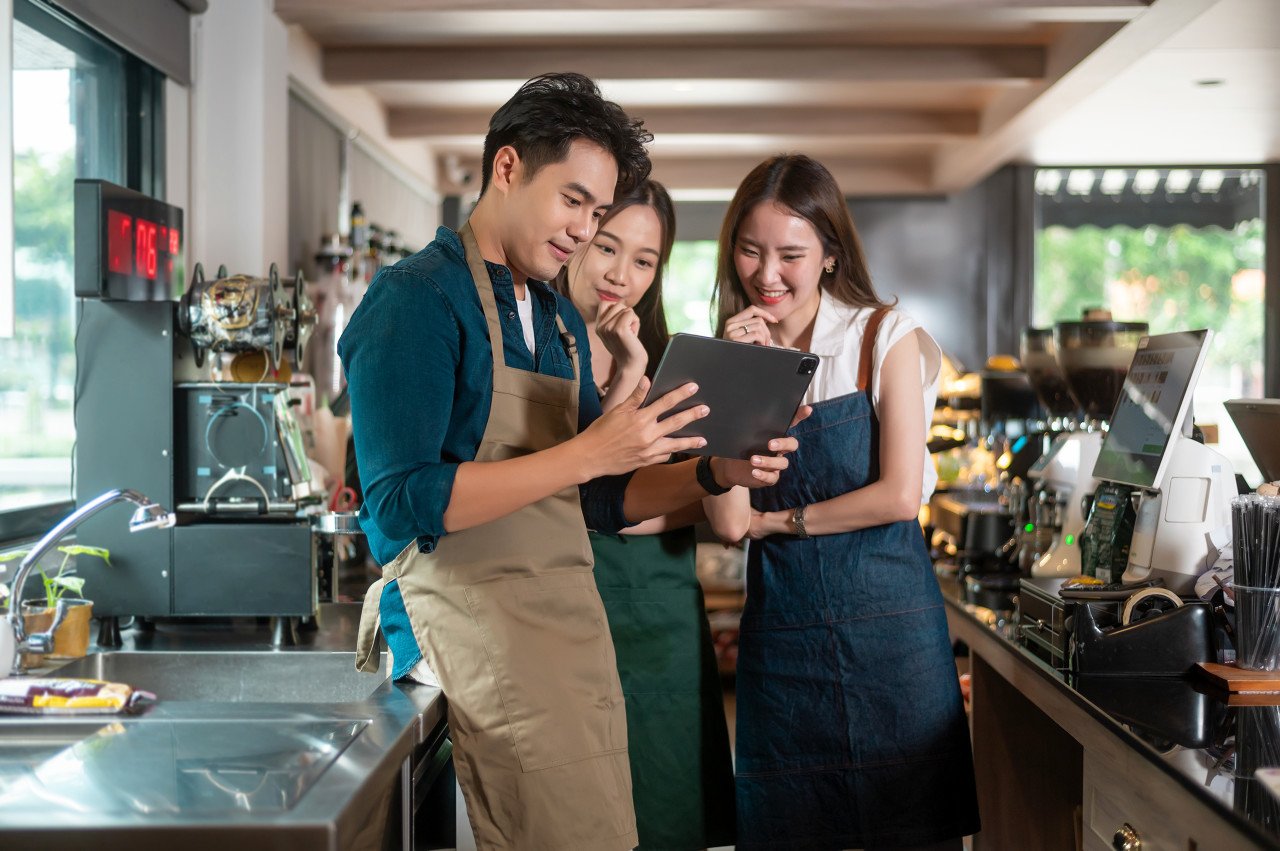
489 302
867 355
484 286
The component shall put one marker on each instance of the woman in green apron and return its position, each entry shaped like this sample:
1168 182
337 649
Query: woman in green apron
681 771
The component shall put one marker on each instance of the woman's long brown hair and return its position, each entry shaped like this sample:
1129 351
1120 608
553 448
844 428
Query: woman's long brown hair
805 187
653 319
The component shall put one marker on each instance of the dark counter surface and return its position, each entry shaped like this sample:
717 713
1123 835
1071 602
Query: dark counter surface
1180 725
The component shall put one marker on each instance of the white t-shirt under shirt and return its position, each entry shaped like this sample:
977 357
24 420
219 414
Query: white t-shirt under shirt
837 341
525 307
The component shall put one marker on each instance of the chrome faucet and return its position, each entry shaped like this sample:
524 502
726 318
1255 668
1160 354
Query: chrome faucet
14 640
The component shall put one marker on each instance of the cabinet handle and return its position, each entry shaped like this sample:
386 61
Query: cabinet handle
1126 839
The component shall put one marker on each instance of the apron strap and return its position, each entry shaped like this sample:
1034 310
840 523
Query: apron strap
484 286
489 303
370 620
867 355
571 347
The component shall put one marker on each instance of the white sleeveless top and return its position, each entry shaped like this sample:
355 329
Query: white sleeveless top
837 341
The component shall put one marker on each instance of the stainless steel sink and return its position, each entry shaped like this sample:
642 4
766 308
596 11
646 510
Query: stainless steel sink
25 744
312 677
195 767
246 748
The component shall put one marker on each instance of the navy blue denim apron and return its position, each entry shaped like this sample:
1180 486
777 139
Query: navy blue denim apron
851 731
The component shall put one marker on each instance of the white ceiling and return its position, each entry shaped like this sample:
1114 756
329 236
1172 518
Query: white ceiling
1155 111
897 96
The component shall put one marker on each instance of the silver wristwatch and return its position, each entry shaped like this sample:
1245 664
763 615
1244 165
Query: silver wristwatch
797 520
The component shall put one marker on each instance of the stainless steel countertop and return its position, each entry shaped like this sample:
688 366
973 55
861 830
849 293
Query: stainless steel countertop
215 773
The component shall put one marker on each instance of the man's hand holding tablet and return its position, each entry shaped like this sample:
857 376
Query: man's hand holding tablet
753 393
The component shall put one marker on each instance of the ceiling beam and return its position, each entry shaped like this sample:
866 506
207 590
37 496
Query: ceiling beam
849 64
857 177
293 10
417 122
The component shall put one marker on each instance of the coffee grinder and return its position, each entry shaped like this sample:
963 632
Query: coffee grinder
1035 508
1094 356
979 521
1161 493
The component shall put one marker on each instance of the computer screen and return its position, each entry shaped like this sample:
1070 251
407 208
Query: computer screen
1154 402
1258 421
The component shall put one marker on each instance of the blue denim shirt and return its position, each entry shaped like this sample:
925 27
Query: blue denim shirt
420 375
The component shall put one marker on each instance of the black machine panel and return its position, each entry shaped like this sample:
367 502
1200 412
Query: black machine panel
268 570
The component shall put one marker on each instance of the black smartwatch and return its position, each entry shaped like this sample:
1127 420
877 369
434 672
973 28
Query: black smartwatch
707 479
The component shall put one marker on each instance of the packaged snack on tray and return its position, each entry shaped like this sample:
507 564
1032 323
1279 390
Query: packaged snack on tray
62 696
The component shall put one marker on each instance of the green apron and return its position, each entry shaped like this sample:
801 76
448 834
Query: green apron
681 769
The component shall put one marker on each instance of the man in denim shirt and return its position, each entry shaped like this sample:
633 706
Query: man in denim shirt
484 456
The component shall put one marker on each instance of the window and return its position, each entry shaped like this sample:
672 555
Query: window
687 286
1177 248
81 108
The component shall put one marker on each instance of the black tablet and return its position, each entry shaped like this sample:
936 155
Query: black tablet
753 391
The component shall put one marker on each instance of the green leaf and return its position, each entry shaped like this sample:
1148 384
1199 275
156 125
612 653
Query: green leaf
74 584
80 550
16 554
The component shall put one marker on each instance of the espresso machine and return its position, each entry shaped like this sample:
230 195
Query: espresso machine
188 401
1093 355
974 523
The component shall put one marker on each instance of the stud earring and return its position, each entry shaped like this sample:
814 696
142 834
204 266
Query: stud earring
830 267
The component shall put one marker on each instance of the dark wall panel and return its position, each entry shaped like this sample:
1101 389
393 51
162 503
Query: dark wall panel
928 253
960 264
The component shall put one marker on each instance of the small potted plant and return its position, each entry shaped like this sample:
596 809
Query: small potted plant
72 637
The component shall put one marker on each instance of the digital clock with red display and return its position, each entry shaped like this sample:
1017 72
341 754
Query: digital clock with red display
128 245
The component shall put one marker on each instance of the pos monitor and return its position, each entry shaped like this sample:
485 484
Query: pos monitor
1154 403
1258 421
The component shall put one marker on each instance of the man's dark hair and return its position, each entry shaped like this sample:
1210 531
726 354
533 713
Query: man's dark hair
549 112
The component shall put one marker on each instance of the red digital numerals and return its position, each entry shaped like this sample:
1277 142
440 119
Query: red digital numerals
144 256
119 242
135 246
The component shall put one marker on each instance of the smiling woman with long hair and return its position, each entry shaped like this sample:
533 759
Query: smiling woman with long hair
681 771
851 731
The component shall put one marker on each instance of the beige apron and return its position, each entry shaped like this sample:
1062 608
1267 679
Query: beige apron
509 618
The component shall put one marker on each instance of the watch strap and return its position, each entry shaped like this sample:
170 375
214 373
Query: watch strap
797 520
707 478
